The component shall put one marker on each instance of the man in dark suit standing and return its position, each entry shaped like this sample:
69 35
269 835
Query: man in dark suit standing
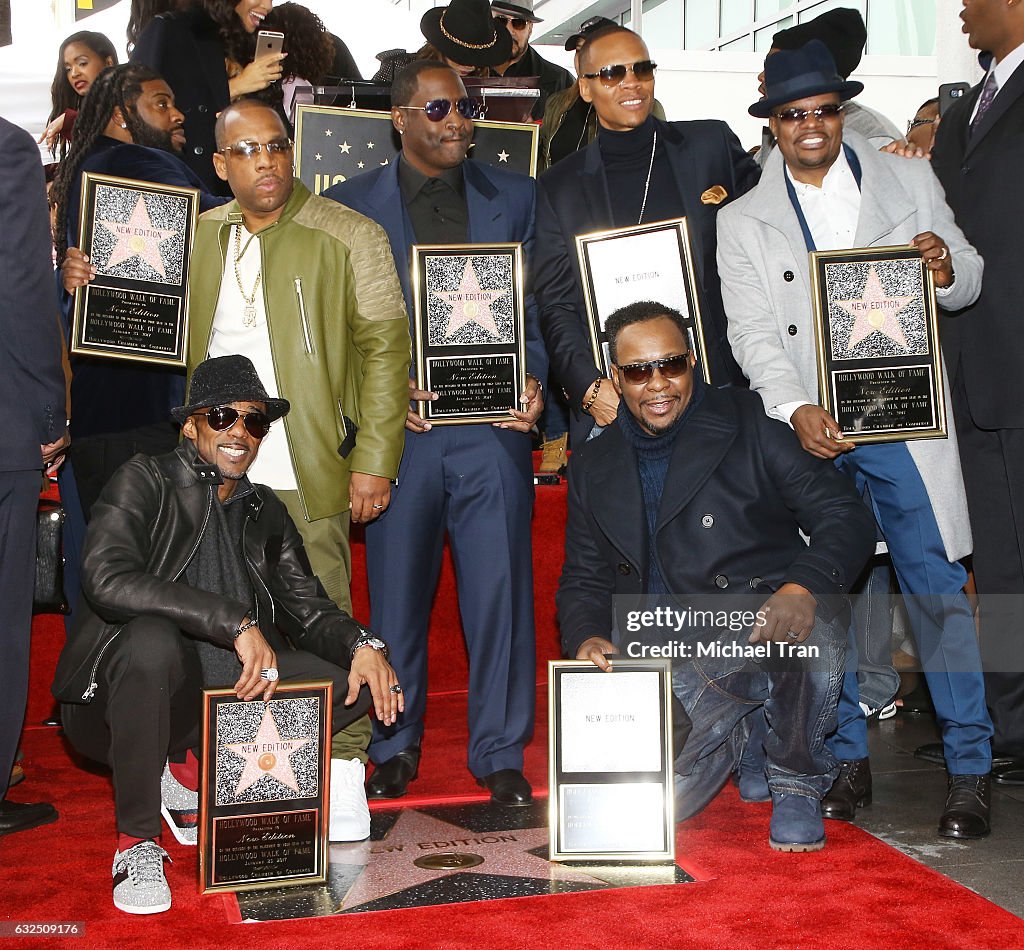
691 497
473 481
34 421
638 170
977 159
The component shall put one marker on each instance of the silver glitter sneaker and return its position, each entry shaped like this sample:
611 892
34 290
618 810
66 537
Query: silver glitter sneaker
139 883
180 808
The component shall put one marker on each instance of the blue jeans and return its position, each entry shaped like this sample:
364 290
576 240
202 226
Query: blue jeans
724 696
940 616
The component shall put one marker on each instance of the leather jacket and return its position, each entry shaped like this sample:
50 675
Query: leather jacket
146 527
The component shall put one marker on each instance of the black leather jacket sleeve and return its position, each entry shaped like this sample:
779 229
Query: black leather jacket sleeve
138 543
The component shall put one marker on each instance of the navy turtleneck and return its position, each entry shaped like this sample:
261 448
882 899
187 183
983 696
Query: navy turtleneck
627 158
653 453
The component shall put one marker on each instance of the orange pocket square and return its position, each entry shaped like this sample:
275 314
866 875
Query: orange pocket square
714 196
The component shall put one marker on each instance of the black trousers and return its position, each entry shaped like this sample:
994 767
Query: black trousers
19 498
147 708
993 467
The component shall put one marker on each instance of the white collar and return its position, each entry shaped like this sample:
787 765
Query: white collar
836 177
1006 67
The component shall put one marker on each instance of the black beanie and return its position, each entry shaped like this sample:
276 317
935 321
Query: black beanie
842 30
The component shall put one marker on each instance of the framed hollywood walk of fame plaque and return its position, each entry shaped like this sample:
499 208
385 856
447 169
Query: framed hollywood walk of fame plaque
644 262
469 330
610 761
265 788
879 362
138 235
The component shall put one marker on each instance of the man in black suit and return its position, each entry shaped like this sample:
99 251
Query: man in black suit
638 170
34 422
977 159
692 497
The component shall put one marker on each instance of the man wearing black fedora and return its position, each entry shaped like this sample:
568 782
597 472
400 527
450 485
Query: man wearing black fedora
466 36
826 188
525 60
194 577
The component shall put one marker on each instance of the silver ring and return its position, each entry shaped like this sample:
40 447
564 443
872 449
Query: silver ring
396 688
793 635
943 255
378 507
270 675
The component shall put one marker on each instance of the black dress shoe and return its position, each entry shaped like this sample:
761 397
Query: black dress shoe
1008 772
934 752
390 779
850 790
968 803
508 787
20 816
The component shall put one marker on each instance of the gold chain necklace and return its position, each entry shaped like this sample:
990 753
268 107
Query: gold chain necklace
249 312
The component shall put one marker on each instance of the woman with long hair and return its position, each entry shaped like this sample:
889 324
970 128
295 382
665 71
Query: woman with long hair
83 56
205 53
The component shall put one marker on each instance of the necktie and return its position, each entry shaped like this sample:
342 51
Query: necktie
988 93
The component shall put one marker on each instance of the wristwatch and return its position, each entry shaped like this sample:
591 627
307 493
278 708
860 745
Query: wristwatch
374 643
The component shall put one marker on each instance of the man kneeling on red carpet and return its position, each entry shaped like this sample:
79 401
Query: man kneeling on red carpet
194 577
684 540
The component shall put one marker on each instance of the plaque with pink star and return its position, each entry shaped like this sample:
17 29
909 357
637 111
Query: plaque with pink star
138 235
879 361
470 331
265 788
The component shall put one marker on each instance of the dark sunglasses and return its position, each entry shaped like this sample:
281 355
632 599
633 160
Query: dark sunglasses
221 418
516 22
247 149
828 111
438 109
672 367
613 75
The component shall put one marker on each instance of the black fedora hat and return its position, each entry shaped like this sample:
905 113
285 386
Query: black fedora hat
465 32
586 28
790 75
523 10
227 379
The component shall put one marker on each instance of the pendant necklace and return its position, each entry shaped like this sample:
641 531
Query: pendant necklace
249 312
647 184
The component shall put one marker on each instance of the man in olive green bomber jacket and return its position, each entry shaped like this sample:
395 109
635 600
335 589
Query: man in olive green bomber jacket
307 289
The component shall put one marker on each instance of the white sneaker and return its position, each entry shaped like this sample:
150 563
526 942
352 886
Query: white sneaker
350 815
139 883
881 714
180 808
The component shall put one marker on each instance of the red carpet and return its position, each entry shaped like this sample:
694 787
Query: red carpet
858 892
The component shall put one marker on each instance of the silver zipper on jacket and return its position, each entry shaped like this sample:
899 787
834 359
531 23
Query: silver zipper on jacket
93 684
255 573
302 315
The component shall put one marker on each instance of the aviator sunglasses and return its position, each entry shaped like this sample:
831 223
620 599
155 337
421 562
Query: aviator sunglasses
613 75
247 149
516 22
437 109
828 111
221 418
672 367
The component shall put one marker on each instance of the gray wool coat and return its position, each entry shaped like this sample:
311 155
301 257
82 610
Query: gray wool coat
759 241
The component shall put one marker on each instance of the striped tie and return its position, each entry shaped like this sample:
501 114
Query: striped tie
988 93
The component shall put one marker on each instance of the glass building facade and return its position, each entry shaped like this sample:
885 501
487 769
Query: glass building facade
895 27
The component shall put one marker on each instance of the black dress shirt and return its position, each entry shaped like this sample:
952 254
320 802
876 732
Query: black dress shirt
436 206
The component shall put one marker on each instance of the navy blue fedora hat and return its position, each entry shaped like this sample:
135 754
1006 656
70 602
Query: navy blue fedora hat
795 74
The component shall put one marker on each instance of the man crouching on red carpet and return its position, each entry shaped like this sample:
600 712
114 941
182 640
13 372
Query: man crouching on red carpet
188 570
693 498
